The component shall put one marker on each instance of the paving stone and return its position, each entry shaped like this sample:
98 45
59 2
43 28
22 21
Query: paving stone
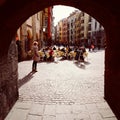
102 105
88 100
49 117
23 105
81 116
34 117
96 116
65 109
50 110
92 108
65 117
78 108
111 118
106 113
37 109
99 99
19 114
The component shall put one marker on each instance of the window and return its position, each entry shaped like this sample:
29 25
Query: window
95 25
82 21
90 19
82 27
89 27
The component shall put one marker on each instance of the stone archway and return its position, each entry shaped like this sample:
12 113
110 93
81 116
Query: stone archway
108 14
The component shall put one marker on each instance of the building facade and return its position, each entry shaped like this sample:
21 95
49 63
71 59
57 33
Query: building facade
64 32
82 29
60 32
71 28
77 28
38 28
96 33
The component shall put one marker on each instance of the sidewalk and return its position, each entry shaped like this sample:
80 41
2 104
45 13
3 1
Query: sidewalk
62 91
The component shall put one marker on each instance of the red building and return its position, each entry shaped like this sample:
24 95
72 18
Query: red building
64 31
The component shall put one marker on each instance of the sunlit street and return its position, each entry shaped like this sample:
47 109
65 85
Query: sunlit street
66 90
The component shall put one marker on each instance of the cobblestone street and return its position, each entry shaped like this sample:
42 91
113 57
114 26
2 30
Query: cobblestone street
66 90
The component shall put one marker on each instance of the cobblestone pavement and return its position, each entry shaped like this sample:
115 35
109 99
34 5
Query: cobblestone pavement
66 90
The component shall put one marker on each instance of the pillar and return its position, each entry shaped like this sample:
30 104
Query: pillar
112 67
8 80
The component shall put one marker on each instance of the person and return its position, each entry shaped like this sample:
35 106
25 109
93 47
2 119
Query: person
92 46
50 50
81 52
98 44
36 56
89 44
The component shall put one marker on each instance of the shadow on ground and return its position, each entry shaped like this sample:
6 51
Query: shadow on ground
81 64
25 79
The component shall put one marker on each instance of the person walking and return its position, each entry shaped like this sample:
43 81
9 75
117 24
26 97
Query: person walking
36 56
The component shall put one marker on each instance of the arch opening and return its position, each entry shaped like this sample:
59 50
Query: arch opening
10 23
44 88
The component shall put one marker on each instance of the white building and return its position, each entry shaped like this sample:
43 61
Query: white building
96 32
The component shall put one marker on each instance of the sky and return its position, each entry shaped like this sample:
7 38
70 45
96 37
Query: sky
60 12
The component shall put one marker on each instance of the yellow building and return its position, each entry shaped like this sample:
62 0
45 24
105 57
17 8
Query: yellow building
84 25
77 28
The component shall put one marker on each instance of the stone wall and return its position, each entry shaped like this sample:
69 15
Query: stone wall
9 77
112 67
